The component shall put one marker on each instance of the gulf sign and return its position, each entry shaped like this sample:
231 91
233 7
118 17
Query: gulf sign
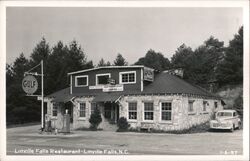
29 84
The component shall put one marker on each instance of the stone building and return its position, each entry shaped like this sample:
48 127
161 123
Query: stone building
146 97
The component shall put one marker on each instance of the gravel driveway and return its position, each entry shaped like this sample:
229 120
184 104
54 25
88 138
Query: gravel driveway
27 140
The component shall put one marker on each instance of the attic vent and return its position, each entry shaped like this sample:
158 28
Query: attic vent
176 71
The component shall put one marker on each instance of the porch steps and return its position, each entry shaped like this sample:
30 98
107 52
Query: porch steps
107 126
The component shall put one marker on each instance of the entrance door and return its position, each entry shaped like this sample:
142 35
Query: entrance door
69 106
111 112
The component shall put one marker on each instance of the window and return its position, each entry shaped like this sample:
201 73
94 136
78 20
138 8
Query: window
215 104
190 106
127 77
148 111
102 79
93 107
82 109
204 106
166 111
132 110
81 81
54 109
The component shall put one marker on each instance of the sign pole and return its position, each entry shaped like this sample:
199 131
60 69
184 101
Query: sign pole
42 104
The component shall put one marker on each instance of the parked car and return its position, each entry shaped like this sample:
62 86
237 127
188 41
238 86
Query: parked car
226 119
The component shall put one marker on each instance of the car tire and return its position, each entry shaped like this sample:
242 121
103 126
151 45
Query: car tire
239 125
232 129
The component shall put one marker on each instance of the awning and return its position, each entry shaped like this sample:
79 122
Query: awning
64 98
106 98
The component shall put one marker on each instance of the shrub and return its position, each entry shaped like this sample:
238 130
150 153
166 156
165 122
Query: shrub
95 119
122 124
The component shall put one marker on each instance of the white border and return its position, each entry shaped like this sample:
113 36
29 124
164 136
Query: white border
81 76
132 120
127 72
237 3
166 121
143 112
97 75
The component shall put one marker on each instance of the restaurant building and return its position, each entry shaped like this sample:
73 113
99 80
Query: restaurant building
146 97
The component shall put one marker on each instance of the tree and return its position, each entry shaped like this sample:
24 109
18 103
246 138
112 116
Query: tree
122 124
180 58
154 60
19 107
95 119
199 65
102 63
120 61
40 52
230 69
58 61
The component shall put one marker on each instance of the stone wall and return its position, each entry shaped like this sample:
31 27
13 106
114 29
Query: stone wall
78 122
181 118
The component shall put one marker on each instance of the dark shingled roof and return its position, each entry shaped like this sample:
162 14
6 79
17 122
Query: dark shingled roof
164 83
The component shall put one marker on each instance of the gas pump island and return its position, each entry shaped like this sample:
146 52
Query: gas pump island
30 86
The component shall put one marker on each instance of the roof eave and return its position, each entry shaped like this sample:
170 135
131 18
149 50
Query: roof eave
105 67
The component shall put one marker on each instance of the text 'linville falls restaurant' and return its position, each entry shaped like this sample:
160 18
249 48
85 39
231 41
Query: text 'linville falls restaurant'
148 99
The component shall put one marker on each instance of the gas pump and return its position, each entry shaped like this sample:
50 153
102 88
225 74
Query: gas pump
66 123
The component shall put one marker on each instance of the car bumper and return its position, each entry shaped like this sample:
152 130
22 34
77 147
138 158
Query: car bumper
223 128
216 125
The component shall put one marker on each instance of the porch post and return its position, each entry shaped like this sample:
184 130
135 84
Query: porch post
115 114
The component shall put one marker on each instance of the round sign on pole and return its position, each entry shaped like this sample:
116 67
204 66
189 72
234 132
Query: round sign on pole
29 84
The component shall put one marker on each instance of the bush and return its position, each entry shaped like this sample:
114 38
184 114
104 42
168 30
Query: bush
95 119
122 124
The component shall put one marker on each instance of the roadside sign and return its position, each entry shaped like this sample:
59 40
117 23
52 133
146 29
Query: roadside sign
29 84
148 74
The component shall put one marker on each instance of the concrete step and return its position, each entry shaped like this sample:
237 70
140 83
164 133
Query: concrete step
107 126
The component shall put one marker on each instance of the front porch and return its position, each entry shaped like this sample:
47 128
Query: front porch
80 111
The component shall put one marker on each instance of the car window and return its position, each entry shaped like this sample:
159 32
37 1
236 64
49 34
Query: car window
234 114
224 114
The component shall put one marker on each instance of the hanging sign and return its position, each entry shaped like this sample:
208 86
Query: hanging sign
148 74
29 84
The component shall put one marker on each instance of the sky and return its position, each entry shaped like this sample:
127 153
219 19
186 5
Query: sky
105 32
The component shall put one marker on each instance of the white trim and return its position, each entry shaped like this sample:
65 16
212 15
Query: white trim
106 67
97 75
80 109
142 79
127 72
143 111
71 84
166 121
81 76
133 120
